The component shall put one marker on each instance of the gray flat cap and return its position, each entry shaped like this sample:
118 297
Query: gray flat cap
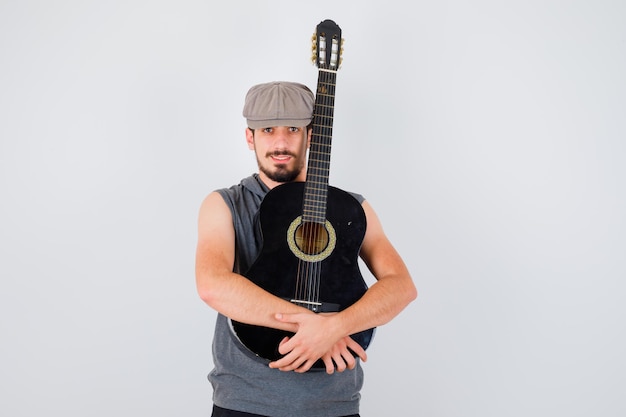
278 103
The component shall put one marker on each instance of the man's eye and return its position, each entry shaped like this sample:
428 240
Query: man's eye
294 129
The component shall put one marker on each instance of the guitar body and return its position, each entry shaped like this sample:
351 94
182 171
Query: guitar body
279 266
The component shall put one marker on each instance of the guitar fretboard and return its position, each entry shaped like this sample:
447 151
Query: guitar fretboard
316 187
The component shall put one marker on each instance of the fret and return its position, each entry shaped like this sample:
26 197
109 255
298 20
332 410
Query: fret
318 162
317 206
315 212
314 217
326 105
318 197
323 148
310 200
311 185
323 144
320 178
320 169
321 196
318 174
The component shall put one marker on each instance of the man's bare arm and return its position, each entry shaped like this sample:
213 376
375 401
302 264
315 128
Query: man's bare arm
229 293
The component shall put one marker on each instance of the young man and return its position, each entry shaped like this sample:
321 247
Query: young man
278 115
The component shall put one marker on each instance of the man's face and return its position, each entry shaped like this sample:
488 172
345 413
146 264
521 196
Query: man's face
280 153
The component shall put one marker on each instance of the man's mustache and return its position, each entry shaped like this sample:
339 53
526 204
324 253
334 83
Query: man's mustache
280 153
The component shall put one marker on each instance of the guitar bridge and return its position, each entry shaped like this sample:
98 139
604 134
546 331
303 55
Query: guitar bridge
317 307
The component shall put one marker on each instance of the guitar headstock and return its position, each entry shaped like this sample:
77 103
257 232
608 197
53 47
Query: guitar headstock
327 46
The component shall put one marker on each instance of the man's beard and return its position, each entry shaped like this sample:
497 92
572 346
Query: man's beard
281 173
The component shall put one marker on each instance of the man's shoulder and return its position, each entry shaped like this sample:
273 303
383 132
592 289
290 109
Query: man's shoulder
248 185
359 197
249 192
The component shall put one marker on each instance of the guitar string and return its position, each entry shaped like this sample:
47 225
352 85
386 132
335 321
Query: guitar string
315 205
322 191
308 289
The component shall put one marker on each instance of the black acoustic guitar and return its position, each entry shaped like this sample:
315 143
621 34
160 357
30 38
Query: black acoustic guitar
312 232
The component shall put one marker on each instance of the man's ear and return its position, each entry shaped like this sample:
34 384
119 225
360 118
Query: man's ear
250 138
309 136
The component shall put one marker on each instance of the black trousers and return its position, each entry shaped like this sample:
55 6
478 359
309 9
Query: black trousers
222 412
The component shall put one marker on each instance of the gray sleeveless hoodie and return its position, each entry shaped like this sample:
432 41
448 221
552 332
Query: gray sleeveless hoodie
241 381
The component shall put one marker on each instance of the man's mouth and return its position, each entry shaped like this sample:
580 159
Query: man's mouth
282 157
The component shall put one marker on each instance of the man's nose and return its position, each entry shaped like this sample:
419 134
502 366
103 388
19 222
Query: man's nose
281 139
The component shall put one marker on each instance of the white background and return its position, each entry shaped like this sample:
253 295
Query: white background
489 136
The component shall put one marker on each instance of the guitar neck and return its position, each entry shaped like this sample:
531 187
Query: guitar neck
318 169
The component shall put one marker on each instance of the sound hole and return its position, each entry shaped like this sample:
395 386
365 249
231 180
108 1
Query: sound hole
311 238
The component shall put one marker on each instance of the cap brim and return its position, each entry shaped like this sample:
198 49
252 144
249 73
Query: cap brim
260 124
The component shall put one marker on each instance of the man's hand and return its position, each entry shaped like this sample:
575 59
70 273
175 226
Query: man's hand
318 336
